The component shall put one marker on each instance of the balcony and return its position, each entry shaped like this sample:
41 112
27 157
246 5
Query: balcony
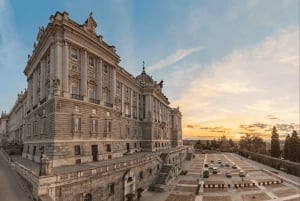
76 96
93 100
127 115
108 104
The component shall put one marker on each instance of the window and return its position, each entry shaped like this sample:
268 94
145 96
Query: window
127 131
111 188
76 124
34 150
150 171
141 174
126 109
107 128
108 148
74 53
28 149
91 61
105 68
77 149
94 124
74 88
92 93
35 128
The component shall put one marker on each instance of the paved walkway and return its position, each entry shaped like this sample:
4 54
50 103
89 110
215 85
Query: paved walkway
182 185
11 185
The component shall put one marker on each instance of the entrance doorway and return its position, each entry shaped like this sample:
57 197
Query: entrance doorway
95 152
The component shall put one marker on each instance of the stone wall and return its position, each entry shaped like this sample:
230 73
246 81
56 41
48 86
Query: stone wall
288 166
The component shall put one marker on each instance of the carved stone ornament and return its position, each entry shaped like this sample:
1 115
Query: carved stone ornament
40 33
90 24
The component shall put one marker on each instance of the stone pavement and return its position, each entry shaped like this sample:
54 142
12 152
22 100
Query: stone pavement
12 187
183 188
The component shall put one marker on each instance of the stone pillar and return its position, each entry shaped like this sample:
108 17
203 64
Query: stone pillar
43 79
29 101
131 103
52 66
84 73
58 68
34 88
113 85
99 78
122 100
137 106
65 69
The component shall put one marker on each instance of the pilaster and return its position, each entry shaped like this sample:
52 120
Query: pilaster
99 79
34 88
51 77
113 86
57 85
122 100
84 74
65 69
43 79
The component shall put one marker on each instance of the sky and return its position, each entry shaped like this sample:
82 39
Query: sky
231 66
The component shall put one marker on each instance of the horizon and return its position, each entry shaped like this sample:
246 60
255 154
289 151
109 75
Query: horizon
232 67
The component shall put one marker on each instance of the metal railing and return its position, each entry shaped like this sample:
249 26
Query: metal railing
93 100
76 96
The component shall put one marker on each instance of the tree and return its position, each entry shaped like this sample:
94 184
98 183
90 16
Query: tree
245 142
286 149
198 145
294 146
258 145
275 146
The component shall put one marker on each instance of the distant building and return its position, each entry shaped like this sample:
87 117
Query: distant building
81 107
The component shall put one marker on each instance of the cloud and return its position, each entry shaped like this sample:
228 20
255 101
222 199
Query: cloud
172 59
245 85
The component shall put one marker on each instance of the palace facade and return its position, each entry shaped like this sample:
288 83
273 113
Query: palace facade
81 107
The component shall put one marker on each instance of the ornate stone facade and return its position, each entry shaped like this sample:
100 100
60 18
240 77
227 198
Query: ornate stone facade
82 107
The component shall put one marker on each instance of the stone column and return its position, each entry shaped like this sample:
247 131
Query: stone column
51 77
84 73
43 79
57 85
65 69
99 78
131 103
137 106
29 101
113 85
122 100
34 88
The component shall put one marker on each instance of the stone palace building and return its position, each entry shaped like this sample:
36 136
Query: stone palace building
98 132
